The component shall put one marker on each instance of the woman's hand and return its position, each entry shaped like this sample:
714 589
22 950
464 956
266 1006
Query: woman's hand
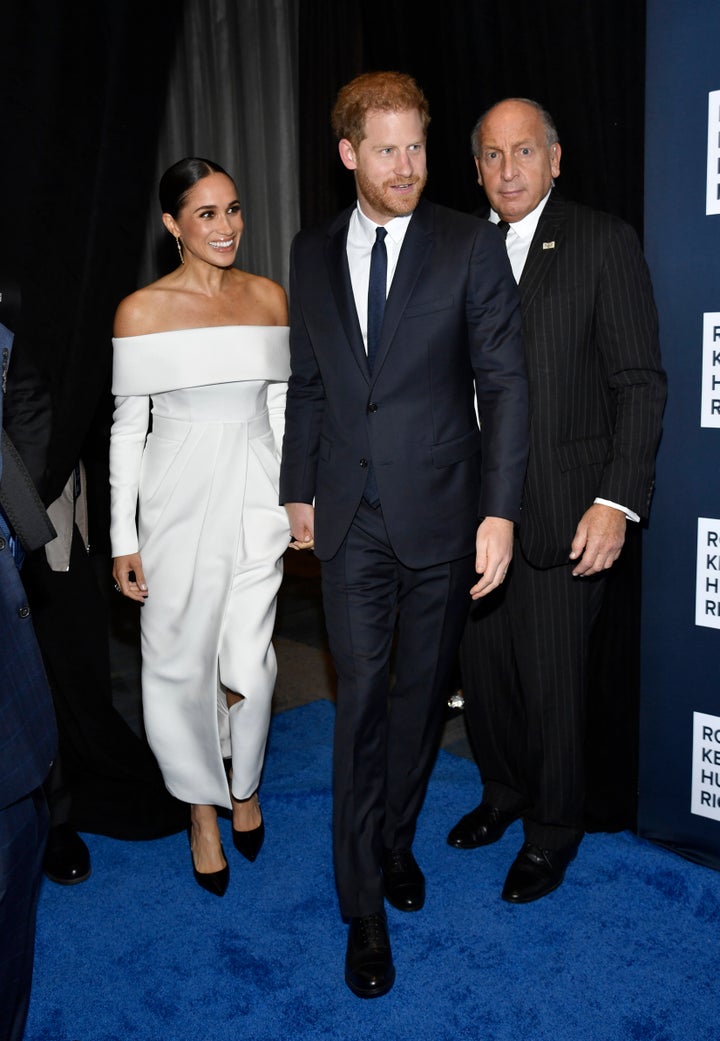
129 577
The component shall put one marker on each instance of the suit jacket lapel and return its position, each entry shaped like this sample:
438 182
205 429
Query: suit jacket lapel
413 255
339 275
543 248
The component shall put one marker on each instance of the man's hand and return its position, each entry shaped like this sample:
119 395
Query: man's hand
599 537
493 553
130 578
302 524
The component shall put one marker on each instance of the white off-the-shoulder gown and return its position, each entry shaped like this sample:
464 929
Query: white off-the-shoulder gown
211 535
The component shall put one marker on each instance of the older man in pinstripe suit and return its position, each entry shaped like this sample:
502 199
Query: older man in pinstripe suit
597 392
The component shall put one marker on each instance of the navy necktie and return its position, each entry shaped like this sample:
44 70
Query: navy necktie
504 227
377 291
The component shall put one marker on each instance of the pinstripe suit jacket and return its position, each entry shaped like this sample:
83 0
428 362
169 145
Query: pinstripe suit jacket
596 381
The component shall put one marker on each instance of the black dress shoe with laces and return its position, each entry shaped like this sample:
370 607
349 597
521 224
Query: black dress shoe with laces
403 879
67 859
369 969
481 827
535 872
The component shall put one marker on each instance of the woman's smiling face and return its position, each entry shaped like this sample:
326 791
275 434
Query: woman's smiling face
210 221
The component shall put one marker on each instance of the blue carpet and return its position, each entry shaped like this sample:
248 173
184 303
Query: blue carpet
628 949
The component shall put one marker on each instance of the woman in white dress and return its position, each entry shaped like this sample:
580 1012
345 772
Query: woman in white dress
200 368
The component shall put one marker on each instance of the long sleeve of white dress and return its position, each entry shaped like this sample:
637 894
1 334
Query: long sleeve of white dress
127 443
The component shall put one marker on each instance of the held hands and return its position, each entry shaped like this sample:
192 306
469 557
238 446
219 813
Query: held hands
599 537
493 553
302 524
130 578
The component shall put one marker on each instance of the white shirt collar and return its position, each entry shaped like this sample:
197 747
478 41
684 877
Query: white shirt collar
396 227
524 228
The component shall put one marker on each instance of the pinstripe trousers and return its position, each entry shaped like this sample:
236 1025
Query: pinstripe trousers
524 665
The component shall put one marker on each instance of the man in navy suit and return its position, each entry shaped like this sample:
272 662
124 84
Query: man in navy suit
28 737
597 390
409 508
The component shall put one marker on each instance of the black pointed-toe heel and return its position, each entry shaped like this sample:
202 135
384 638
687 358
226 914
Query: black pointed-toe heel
215 882
249 843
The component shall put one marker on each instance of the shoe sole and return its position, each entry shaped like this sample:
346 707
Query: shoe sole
532 899
481 842
474 845
376 992
67 881
405 907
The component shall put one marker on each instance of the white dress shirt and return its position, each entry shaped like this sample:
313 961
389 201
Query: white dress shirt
520 235
360 241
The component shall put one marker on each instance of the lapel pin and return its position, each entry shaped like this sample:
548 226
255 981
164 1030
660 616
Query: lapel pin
549 245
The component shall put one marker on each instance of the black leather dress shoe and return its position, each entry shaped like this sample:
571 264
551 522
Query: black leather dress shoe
67 858
404 881
369 969
535 872
481 827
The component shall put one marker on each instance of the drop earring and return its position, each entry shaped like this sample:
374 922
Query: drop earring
180 249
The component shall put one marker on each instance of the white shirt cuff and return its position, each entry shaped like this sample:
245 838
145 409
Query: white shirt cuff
616 506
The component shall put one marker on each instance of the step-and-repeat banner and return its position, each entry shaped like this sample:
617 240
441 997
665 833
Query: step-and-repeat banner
680 709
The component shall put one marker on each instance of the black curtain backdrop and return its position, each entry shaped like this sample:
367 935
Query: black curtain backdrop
82 90
582 59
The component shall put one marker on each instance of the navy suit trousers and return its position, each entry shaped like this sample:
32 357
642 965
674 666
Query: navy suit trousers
393 635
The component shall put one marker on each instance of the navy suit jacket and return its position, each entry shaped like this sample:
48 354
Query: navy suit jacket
452 327
597 385
28 736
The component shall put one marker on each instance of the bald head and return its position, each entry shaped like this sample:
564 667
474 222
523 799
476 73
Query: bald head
517 155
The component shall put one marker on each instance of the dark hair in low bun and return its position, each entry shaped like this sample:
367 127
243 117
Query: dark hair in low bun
183 175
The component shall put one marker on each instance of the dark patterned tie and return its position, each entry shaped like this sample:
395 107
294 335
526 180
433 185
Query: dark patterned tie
377 289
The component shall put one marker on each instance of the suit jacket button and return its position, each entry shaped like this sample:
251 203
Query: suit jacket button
372 407
2 543
24 611
363 463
